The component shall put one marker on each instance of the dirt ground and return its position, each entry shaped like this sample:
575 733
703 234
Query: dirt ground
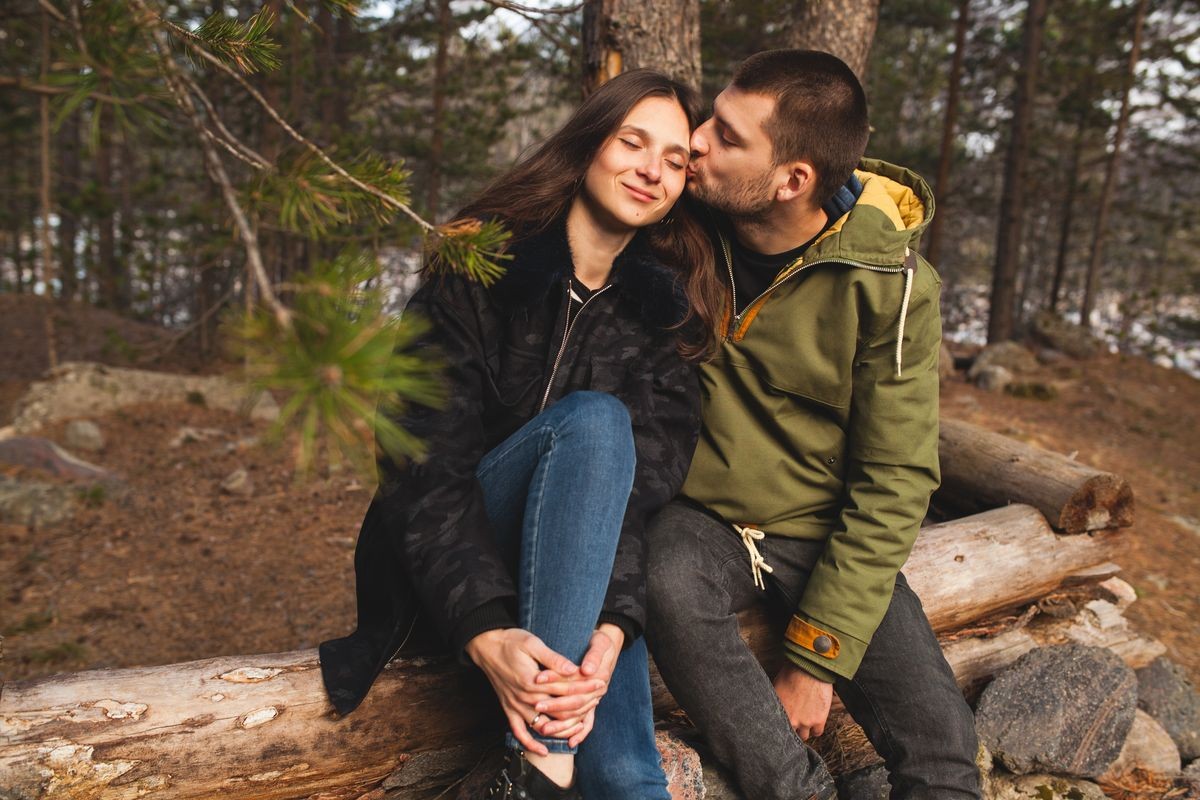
169 568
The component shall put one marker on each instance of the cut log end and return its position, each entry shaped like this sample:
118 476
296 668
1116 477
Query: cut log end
1103 501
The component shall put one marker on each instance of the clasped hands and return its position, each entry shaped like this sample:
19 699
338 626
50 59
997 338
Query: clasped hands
533 682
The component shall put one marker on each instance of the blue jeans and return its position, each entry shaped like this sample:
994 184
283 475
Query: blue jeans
556 492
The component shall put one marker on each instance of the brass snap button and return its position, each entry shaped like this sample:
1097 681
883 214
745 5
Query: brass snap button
822 644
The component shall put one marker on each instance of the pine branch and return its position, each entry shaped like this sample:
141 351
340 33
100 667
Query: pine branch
17 82
247 45
179 90
477 257
425 226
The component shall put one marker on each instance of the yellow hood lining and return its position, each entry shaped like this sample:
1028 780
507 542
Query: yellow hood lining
896 201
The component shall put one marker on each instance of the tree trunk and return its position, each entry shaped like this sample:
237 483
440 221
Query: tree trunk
845 28
47 247
941 186
1068 217
437 141
981 469
107 270
1001 320
622 35
129 272
325 57
68 221
1110 173
261 726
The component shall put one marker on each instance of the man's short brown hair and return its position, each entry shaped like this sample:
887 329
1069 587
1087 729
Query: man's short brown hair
820 111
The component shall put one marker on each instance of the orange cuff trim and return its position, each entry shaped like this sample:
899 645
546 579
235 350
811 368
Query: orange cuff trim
809 637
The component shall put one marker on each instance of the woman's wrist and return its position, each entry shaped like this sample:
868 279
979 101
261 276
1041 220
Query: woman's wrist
483 643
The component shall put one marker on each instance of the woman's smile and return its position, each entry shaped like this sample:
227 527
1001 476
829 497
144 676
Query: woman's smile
640 194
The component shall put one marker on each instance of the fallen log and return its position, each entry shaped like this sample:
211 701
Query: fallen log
261 727
981 470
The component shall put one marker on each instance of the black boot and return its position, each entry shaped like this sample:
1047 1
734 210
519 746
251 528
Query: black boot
520 780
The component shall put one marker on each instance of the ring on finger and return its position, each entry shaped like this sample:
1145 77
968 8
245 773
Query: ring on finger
536 718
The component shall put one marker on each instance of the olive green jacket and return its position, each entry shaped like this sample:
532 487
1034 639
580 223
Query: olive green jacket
821 413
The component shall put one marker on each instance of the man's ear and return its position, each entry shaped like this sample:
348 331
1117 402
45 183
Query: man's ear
801 182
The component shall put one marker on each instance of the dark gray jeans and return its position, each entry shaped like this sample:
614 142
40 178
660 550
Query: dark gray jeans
903 695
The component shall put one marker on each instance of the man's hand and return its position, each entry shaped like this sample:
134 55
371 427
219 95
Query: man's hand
805 699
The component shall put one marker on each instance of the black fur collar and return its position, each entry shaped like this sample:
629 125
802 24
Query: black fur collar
542 261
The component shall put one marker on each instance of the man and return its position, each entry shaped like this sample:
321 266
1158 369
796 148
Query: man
819 449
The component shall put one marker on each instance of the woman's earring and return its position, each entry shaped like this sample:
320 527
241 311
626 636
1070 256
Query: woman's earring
667 220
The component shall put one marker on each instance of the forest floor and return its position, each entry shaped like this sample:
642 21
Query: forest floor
169 568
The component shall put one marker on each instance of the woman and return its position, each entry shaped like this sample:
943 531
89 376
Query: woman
572 414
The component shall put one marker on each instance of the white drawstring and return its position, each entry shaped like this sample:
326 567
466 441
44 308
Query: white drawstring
757 563
908 282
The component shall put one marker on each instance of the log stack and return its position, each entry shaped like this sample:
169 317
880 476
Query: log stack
1038 569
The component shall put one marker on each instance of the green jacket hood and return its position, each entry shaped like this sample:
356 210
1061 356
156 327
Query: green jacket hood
886 222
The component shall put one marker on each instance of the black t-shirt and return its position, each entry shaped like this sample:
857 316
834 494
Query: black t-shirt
754 272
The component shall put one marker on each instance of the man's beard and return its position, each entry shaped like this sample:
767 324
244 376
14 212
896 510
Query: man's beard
748 199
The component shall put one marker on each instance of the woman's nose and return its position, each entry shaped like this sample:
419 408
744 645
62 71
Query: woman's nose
650 170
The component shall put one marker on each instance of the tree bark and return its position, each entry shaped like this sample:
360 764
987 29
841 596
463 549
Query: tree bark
1110 173
437 140
845 28
622 35
981 469
68 221
1068 217
47 205
261 726
941 186
1001 320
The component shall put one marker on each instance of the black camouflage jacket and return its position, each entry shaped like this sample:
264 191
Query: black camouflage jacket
426 563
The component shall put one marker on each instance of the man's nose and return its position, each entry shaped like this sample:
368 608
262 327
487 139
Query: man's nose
699 141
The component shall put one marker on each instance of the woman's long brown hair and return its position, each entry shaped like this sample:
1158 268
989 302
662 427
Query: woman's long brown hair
539 189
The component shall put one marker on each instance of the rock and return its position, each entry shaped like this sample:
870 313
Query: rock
869 783
34 504
945 363
1066 337
1010 355
1064 709
83 389
187 435
43 454
1036 390
238 482
1051 357
1148 747
719 783
83 434
685 776
1189 781
1001 786
992 379
1165 693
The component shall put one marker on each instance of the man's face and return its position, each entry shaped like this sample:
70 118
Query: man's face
732 167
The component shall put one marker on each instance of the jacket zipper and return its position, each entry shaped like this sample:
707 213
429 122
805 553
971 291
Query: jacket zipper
788 271
562 348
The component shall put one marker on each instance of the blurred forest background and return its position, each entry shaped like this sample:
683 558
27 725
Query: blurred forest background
1060 137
